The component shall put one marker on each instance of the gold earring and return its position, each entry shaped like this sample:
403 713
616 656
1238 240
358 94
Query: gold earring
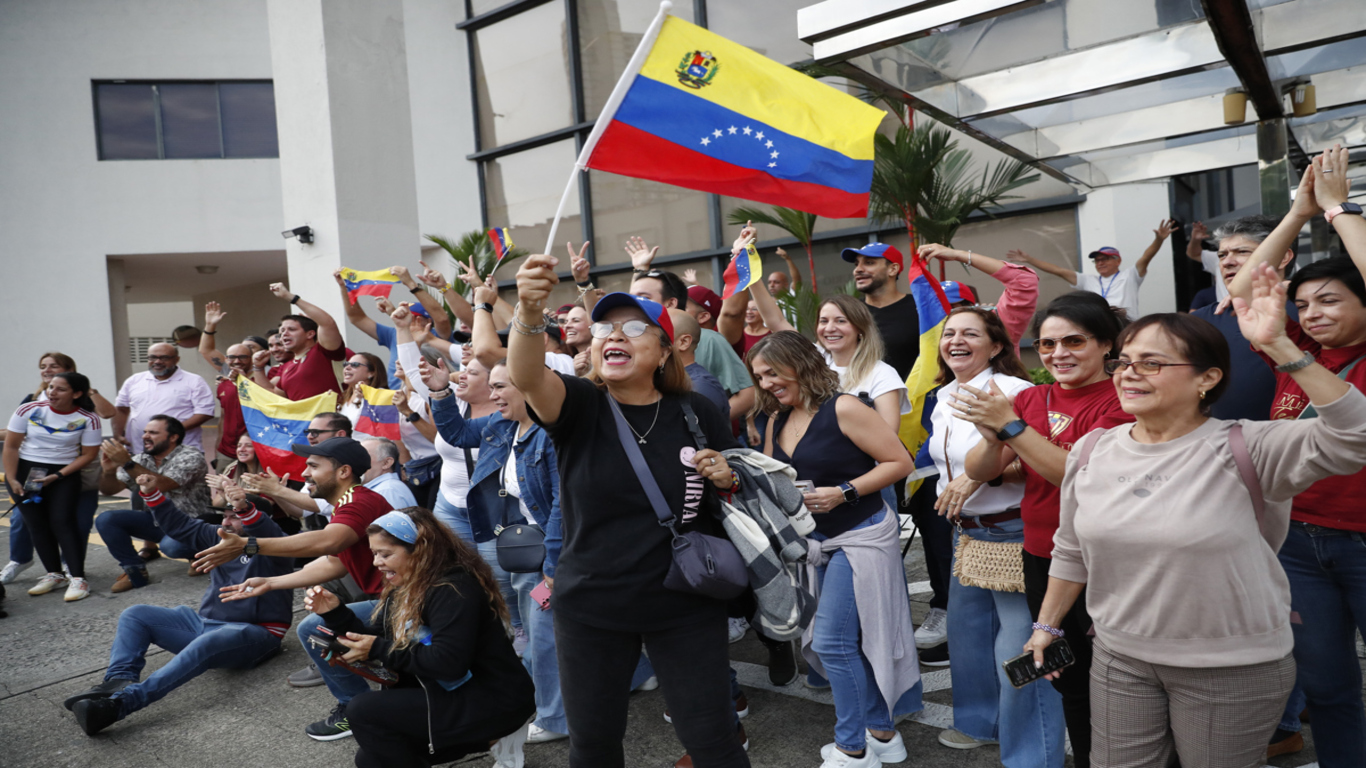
1202 394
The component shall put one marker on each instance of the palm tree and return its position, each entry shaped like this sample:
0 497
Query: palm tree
474 245
799 224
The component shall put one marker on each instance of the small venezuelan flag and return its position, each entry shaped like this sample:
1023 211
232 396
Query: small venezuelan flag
501 241
378 414
705 113
744 270
933 306
376 283
275 424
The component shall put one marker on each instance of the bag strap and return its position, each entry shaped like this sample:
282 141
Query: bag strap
647 480
1238 444
768 435
1088 443
694 426
1310 412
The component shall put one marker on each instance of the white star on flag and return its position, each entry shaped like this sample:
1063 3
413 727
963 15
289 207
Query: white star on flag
705 141
716 133
770 165
768 144
747 130
772 154
759 135
732 129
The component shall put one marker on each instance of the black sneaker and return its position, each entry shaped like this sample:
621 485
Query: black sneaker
102 691
333 728
937 656
94 715
782 663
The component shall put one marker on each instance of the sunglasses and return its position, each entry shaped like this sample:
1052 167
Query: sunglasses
1074 341
1141 367
349 364
632 328
319 432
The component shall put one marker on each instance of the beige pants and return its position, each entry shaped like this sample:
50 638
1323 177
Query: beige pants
1217 717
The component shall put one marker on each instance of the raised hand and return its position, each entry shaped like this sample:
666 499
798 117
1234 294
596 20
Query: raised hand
578 265
1018 256
941 252
1199 232
402 274
747 235
1262 320
486 292
401 313
1330 177
1164 229
536 278
435 377
336 275
690 276
235 496
988 408
432 278
116 452
147 482
213 315
281 292
468 274
641 254
320 601
421 330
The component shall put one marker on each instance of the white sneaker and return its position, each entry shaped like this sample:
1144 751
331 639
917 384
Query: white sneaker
539 735
48 583
838 759
893 751
507 751
650 684
78 589
934 631
12 571
738 628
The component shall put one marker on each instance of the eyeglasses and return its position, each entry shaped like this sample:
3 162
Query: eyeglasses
320 432
1074 341
162 357
1141 367
632 328
349 364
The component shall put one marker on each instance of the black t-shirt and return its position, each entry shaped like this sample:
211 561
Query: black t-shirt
899 324
1252 383
615 556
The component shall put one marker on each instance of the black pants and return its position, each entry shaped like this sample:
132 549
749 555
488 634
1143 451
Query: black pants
1075 682
52 522
936 536
390 726
692 663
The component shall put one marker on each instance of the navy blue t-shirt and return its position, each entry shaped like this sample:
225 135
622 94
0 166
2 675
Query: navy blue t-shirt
707 385
1252 386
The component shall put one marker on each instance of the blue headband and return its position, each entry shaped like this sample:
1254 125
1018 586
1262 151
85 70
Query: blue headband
399 525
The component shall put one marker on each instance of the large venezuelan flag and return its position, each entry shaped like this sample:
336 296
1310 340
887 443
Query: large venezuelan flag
375 283
276 424
702 112
378 414
933 306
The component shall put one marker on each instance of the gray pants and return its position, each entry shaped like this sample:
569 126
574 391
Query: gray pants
1213 717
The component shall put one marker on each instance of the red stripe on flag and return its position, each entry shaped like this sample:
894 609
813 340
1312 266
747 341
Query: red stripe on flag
370 290
632 152
280 461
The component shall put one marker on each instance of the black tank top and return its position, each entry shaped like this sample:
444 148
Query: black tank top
826 457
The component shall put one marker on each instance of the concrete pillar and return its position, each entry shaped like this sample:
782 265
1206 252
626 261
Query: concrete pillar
118 323
346 142
1124 216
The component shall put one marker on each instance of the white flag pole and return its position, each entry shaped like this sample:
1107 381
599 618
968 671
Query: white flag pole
609 111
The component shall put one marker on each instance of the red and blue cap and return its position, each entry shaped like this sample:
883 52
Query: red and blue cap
874 251
656 313
1106 251
957 292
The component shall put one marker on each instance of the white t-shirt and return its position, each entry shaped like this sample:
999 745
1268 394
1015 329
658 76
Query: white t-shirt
51 437
1210 261
455 476
510 483
1120 289
560 363
881 380
951 439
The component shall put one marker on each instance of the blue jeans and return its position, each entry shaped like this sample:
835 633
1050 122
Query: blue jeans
198 643
458 520
987 628
1327 572
1290 719
539 656
21 544
344 685
118 528
859 704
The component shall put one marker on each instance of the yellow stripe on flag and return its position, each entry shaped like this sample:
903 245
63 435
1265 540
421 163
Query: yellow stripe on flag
274 406
919 384
375 396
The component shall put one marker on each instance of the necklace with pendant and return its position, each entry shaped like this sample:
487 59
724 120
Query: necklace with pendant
639 437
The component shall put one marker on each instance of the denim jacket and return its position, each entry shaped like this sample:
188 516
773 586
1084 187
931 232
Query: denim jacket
538 474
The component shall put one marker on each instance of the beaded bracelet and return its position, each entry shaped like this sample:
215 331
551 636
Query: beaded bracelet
1050 630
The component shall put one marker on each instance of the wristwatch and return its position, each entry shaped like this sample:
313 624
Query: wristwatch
487 307
414 417
1333 213
850 493
252 548
129 465
1013 429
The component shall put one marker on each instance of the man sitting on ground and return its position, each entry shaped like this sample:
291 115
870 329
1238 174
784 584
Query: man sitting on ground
221 635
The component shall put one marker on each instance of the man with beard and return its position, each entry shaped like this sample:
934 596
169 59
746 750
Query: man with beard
232 426
334 471
179 470
876 269
316 344
164 388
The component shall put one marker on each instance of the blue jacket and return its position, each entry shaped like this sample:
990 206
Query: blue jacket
276 606
538 474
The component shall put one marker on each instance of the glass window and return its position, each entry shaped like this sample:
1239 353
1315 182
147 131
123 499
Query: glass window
481 7
768 27
522 76
671 217
248 111
189 120
523 190
126 122
609 31
823 225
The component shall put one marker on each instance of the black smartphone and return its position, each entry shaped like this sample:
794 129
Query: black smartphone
1021 669
326 642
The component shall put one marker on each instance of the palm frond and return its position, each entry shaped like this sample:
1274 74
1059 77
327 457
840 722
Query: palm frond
474 245
799 224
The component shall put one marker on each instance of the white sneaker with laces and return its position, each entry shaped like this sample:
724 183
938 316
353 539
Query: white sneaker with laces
539 735
12 570
78 589
48 583
838 759
935 629
893 751
738 628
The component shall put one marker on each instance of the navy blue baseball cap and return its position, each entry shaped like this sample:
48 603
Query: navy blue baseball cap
342 450
874 251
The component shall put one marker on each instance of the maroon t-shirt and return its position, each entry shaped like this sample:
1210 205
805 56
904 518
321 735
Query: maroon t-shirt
1063 416
357 510
231 426
312 374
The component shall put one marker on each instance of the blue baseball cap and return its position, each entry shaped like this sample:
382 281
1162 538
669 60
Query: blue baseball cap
399 525
654 311
874 251
1106 251
957 292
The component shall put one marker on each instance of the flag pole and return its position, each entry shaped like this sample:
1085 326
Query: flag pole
609 111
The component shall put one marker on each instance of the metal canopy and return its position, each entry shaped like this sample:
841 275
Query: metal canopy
1099 92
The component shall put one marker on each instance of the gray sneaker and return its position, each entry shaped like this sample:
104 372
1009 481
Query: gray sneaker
308 677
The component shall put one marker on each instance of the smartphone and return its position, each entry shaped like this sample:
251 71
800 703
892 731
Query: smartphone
326 642
34 483
805 486
541 594
1021 669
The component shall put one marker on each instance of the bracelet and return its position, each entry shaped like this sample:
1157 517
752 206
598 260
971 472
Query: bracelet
258 368
1050 630
528 330
440 394
585 284
1295 365
969 258
207 332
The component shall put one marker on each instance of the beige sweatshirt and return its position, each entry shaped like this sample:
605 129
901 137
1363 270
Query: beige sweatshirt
1166 540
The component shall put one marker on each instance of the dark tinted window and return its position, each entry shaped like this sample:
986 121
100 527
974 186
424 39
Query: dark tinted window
248 120
127 121
149 121
189 120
